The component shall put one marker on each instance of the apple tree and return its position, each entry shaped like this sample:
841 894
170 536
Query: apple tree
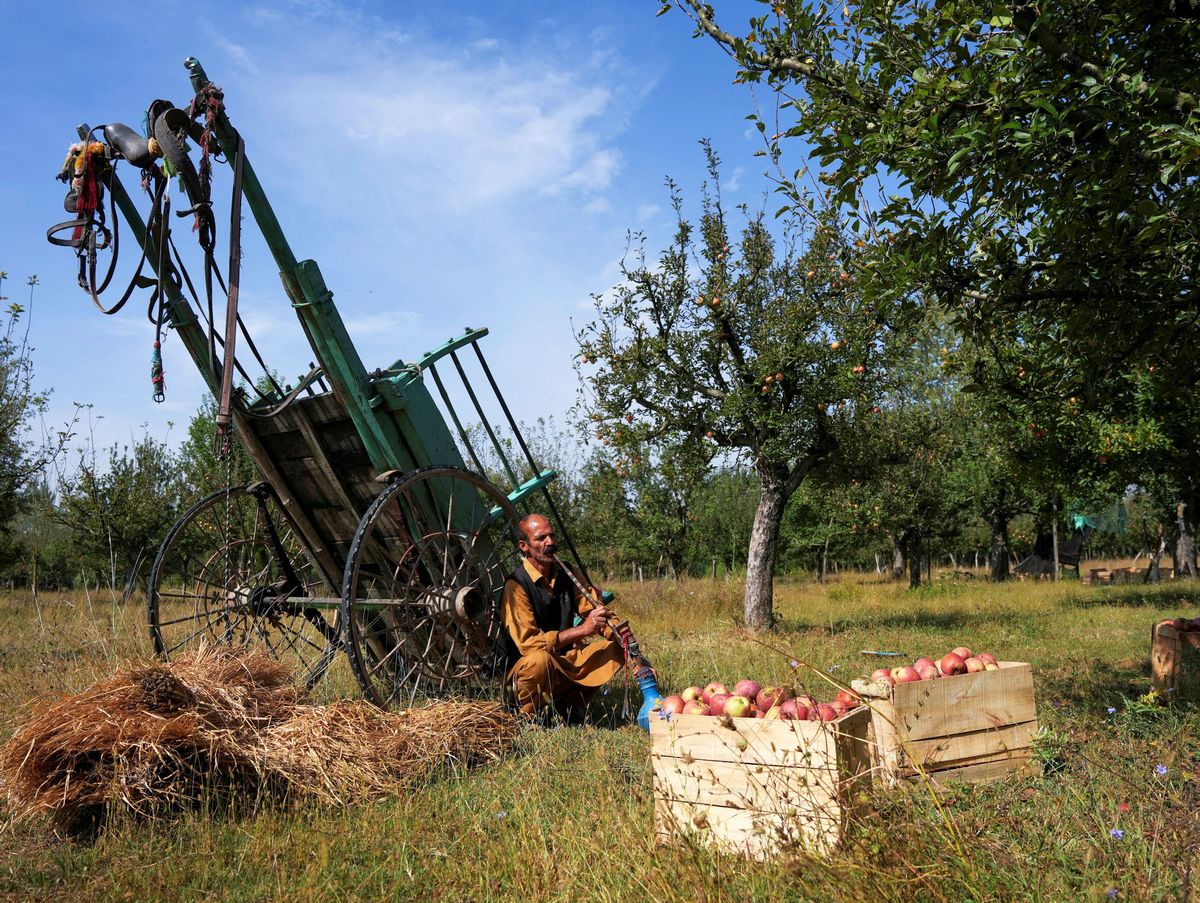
742 343
1036 167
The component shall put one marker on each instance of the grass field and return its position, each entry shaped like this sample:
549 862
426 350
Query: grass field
569 817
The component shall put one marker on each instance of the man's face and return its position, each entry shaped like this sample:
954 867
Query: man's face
539 543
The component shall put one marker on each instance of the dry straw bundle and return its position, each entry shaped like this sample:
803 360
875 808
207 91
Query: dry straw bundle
223 723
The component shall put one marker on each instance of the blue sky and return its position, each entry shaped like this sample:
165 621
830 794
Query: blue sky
474 163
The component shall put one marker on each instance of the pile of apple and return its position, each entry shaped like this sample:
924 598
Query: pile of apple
1181 624
958 661
750 699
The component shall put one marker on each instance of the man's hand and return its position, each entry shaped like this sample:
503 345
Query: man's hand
596 619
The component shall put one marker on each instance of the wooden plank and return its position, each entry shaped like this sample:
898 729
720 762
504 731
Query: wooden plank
762 788
750 740
963 703
942 751
321 462
756 835
978 773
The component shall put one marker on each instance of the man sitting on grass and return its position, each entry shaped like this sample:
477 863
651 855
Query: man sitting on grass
550 662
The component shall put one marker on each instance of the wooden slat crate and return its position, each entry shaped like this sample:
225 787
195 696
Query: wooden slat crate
754 787
969 727
1174 660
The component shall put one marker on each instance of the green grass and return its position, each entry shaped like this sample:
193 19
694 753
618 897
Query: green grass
569 816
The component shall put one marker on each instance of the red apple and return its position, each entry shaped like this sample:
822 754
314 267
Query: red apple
973 665
924 661
962 652
769 696
803 712
826 712
883 676
748 688
697 708
848 698
717 701
737 706
805 700
672 704
905 675
787 710
712 689
952 663
840 707
986 657
692 694
759 713
927 672
991 666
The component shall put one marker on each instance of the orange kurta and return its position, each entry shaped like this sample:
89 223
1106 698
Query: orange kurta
544 674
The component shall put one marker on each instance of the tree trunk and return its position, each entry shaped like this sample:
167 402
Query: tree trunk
912 547
998 559
1185 542
760 561
898 562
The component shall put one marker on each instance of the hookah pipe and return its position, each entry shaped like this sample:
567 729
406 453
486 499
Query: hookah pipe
636 663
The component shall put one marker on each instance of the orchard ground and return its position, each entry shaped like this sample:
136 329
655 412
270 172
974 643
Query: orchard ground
1109 814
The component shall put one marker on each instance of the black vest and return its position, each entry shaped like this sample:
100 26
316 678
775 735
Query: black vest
552 610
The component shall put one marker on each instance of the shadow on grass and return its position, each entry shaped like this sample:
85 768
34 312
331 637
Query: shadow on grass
1094 688
1147 595
922 621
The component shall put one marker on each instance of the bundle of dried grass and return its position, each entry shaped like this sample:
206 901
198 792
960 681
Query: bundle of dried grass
352 750
219 722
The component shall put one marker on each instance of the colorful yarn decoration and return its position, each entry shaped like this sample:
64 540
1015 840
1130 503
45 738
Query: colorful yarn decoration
156 373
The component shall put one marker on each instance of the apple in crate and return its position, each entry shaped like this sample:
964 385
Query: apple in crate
974 665
672 704
769 696
717 701
962 652
748 688
924 661
692 694
697 708
790 710
986 657
712 689
927 672
952 663
906 674
848 698
883 676
738 707
807 701
825 712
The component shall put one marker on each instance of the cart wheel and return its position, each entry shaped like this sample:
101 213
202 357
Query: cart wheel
232 572
421 595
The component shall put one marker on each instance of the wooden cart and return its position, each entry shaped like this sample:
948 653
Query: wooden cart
369 530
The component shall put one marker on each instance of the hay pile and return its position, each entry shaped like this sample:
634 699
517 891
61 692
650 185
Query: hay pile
220 723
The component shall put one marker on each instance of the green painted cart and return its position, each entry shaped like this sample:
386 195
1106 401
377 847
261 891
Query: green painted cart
373 528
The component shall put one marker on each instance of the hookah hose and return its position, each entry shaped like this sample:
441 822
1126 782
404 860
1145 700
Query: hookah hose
636 663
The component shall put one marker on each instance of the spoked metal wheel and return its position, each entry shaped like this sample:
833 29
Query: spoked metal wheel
421 595
232 572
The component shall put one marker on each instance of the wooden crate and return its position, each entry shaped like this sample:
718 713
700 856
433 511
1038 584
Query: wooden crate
754 787
1174 660
969 727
